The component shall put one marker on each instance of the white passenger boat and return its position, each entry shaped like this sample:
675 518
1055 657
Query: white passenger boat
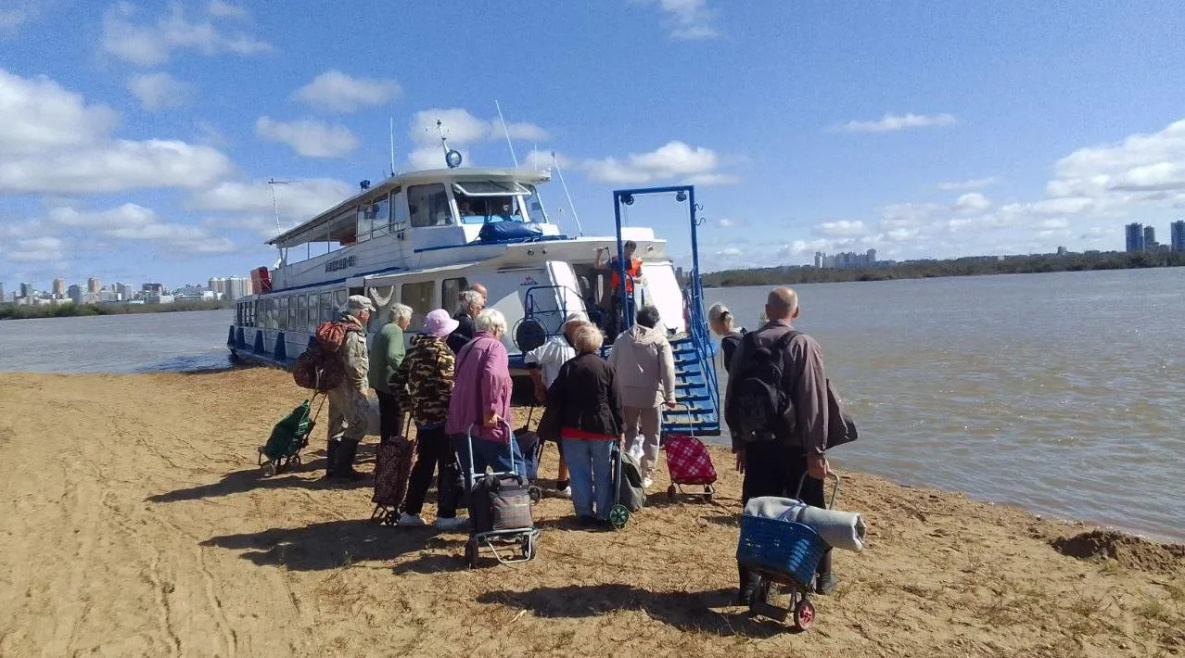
421 238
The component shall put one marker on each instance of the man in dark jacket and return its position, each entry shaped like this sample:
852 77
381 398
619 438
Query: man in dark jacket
472 302
798 442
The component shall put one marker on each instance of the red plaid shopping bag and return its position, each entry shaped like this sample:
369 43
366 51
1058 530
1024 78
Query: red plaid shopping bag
688 460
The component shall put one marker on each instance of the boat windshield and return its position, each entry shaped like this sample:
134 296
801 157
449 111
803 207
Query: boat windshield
484 202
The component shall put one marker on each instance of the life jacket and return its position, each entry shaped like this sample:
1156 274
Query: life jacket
634 271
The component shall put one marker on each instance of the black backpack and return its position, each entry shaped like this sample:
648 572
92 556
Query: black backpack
763 406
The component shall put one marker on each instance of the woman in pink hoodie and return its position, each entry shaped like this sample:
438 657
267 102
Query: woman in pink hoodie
481 398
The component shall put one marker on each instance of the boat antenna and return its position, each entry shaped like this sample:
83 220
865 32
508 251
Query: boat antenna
452 157
272 183
506 131
556 163
391 131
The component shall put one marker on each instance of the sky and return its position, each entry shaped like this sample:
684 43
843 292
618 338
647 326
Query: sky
137 138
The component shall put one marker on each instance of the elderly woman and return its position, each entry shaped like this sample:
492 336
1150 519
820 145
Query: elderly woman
584 402
646 373
471 304
386 353
722 323
481 399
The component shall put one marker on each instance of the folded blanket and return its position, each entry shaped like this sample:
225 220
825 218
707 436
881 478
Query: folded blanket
844 530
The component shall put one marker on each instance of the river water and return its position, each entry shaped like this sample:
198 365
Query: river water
1064 393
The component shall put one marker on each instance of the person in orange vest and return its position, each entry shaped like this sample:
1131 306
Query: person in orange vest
633 274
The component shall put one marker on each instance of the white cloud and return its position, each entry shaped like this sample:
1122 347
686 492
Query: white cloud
895 122
157 90
36 250
973 184
134 222
16 13
462 128
335 91
672 160
309 137
251 202
150 44
841 228
688 20
37 114
221 9
730 251
115 166
972 202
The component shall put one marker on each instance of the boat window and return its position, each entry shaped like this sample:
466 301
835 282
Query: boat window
419 297
481 202
428 205
314 315
450 291
491 188
327 313
301 320
399 214
260 313
365 223
534 205
282 313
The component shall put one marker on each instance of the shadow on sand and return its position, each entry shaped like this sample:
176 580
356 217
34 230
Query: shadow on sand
253 478
687 611
328 545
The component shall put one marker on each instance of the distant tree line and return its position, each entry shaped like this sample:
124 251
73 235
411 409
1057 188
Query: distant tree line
925 269
70 309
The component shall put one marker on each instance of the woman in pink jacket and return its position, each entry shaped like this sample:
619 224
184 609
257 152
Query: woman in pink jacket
481 399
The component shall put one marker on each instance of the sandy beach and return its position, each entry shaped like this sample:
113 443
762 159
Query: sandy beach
135 522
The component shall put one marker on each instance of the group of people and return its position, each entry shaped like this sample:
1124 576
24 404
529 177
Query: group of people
455 381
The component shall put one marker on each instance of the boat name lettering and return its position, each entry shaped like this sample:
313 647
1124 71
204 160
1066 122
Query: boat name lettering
340 264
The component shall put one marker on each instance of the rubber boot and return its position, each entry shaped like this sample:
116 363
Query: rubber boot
331 459
345 461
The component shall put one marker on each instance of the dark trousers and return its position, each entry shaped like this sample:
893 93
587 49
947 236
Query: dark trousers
773 469
434 453
390 416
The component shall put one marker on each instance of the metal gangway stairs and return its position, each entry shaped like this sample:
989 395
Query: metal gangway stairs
696 389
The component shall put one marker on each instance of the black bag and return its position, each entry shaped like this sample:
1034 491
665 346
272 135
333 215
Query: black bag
763 405
840 427
630 491
500 503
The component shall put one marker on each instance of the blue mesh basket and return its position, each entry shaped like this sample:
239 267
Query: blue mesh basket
780 547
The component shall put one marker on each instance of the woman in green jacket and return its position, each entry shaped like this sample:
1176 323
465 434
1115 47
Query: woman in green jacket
386 353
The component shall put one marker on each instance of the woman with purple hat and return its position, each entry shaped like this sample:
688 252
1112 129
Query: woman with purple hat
424 382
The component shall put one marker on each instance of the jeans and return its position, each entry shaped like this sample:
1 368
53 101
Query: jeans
433 453
591 470
390 416
641 436
489 454
774 469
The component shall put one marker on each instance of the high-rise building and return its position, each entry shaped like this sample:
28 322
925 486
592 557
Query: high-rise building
153 288
1177 235
126 291
59 288
92 286
1135 237
2 299
1150 243
75 293
27 291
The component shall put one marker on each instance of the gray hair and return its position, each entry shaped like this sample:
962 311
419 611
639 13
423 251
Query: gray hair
491 320
587 339
469 299
399 312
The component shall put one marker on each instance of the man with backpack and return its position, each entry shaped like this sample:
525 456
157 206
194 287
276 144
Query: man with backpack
776 408
349 408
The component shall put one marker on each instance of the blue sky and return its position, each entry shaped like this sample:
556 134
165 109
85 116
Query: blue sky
136 138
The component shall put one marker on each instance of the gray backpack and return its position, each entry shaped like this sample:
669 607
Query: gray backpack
630 492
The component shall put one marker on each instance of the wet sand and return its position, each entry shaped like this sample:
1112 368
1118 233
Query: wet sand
136 523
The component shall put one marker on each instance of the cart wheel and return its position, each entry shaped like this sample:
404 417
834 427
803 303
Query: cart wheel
672 491
471 553
535 494
270 469
295 461
804 614
619 515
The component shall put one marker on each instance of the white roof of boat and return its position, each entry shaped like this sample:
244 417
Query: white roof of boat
312 229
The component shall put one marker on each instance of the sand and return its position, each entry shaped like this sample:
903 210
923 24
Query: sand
136 523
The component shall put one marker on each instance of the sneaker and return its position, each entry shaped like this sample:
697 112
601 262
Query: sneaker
410 521
455 523
566 492
826 584
647 483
